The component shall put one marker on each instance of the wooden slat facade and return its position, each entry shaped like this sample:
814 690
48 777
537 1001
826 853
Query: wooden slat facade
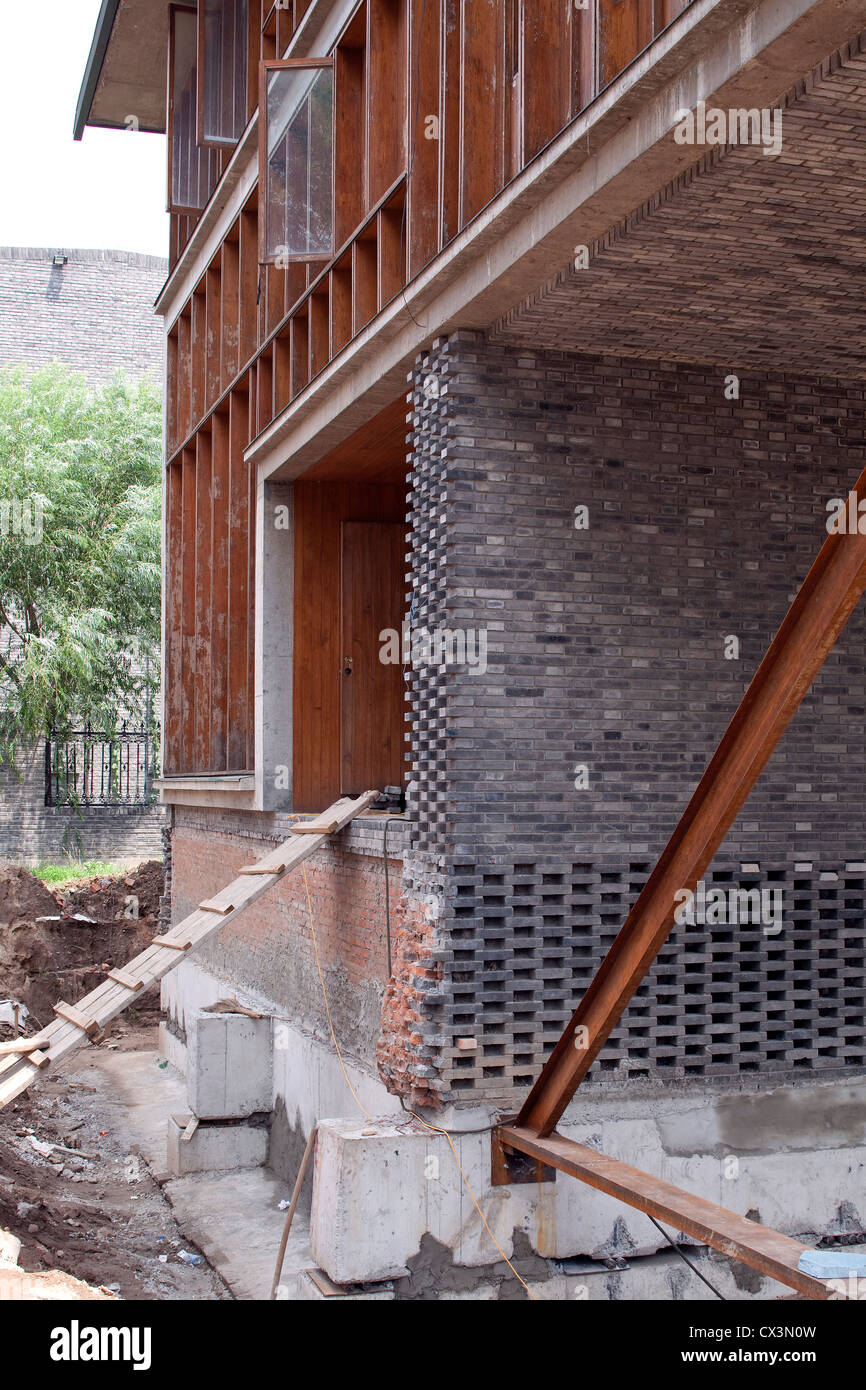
438 104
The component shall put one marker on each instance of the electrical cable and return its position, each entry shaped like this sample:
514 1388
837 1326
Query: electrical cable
683 1256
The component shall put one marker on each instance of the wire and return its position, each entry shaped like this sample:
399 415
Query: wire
435 1128
684 1257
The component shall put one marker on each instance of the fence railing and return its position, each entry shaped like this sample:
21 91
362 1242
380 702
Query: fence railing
85 768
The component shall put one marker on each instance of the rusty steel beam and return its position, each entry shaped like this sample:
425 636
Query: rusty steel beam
819 612
762 1249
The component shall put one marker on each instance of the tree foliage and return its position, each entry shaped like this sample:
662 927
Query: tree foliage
80 501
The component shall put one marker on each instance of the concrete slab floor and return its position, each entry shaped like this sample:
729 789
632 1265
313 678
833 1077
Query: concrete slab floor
233 1218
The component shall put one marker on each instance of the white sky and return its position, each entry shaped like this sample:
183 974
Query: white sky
106 192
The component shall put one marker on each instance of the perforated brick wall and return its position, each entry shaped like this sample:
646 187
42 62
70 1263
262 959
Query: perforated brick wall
607 654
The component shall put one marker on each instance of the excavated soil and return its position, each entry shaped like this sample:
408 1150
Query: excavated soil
49 952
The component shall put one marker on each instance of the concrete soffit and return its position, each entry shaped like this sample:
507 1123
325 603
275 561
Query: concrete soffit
607 163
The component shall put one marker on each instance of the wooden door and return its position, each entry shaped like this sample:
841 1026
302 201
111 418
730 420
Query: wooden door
372 690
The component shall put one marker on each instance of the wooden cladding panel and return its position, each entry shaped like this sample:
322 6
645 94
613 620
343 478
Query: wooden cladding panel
188 609
449 120
209 617
241 595
203 564
230 316
624 28
350 113
545 73
319 511
424 135
482 105
172 751
219 556
386 96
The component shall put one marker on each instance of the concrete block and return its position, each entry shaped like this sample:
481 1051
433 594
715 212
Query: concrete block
214 1147
229 1066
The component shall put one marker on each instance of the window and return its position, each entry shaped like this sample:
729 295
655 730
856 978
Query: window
297 161
223 59
192 171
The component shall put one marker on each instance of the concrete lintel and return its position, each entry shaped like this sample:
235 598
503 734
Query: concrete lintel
609 161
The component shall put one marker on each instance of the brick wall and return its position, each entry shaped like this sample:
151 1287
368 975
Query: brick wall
607 651
33 833
269 948
95 313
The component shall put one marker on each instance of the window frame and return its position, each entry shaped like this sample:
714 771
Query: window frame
180 209
266 67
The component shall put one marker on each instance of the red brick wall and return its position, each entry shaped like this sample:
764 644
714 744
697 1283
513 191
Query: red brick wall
269 948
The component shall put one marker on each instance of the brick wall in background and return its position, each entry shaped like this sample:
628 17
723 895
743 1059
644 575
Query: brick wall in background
607 649
95 313
33 833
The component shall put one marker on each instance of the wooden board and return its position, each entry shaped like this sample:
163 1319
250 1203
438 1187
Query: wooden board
109 999
761 1248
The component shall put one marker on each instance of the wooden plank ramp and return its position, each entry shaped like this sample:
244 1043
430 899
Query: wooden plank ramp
72 1028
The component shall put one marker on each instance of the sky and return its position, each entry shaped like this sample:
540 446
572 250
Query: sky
106 192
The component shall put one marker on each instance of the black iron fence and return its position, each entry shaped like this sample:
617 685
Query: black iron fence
96 769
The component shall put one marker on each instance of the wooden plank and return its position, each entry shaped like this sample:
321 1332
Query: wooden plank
349 104
386 96
203 578
20 1046
219 616
314 828
449 121
482 105
61 1037
545 71
424 137
184 374
230 339
173 721
818 614
88 1025
190 1130
768 1251
213 341
187 614
212 905
239 624
128 981
624 28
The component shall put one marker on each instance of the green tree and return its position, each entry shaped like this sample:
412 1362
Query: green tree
80 500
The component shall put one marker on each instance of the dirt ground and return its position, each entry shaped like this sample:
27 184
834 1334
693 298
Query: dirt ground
91 1208
95 1212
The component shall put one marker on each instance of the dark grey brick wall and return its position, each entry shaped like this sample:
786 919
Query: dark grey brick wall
96 313
33 833
607 650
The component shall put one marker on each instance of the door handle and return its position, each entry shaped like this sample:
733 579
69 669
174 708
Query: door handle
347 665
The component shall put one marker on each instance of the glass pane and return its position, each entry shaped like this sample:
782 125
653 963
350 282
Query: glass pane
299 215
226 58
193 170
